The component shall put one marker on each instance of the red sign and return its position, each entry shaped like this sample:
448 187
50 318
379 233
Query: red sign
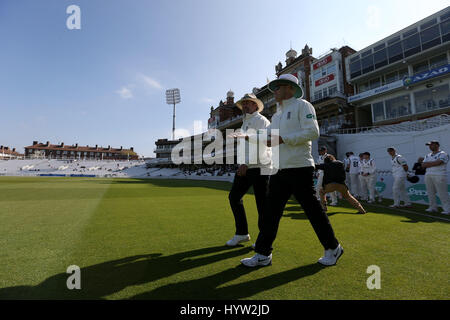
322 62
326 79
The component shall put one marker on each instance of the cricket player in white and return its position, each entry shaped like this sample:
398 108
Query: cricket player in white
399 173
353 171
368 177
322 155
436 177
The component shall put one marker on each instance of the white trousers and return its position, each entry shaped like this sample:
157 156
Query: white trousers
399 191
333 194
354 184
368 183
437 184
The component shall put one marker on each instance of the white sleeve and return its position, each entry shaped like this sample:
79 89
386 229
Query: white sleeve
443 157
308 128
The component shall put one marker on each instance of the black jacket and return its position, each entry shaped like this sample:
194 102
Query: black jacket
334 172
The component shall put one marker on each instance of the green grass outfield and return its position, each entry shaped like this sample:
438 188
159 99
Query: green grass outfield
164 239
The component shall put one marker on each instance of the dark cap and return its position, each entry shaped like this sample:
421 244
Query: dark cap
432 141
322 148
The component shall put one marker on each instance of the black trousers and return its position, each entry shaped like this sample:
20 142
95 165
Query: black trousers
297 182
241 185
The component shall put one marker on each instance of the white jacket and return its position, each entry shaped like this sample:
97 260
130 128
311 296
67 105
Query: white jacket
255 121
296 121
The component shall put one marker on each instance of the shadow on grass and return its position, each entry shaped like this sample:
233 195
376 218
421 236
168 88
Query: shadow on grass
174 183
210 287
101 280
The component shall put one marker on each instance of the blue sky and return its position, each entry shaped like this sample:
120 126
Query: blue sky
105 84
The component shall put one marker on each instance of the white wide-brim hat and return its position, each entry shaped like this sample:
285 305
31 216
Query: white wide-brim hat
251 97
287 79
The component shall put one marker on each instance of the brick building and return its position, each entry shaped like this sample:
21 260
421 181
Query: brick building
8 153
62 151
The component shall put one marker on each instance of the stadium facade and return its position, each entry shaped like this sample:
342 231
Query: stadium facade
402 78
62 151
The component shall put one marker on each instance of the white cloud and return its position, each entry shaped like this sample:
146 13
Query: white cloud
373 17
207 100
125 93
152 83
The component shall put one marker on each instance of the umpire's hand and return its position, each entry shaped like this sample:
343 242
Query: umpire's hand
242 170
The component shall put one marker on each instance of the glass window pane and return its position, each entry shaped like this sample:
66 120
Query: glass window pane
380 58
365 54
379 47
409 32
332 90
331 69
375 83
355 68
398 107
438 61
395 52
428 24
445 16
432 98
367 64
403 73
411 45
354 59
420 67
378 111
391 77
394 40
363 87
429 34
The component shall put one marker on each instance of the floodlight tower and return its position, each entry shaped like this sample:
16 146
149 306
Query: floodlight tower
173 97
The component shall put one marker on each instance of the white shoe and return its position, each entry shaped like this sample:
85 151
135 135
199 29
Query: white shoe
380 200
257 260
334 204
370 201
331 256
394 206
237 239
445 212
431 210
406 205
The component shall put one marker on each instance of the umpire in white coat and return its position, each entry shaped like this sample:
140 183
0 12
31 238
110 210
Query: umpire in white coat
249 174
295 121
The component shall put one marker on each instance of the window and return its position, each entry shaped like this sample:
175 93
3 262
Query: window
365 54
409 33
380 58
379 47
317 75
355 68
394 40
403 73
428 24
430 37
331 69
363 87
438 61
332 90
318 95
432 98
398 107
391 77
445 16
411 45
420 67
378 111
375 83
367 64
395 52
445 30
